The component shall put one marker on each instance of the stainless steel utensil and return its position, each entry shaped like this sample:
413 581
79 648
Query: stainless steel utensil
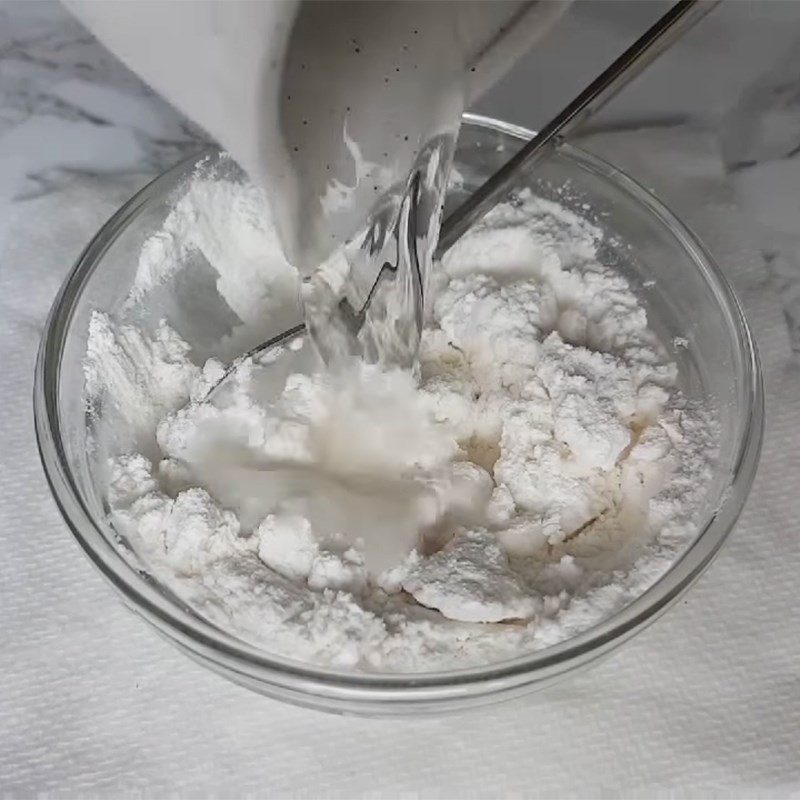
658 38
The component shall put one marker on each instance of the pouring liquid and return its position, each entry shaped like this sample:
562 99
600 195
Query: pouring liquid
366 275
369 299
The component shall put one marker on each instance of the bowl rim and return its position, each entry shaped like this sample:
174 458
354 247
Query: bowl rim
200 637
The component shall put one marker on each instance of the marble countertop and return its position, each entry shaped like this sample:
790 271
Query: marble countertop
67 107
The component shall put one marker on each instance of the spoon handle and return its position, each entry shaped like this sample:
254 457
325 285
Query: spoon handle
667 30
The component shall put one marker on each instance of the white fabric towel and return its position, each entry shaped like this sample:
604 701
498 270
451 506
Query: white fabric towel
704 703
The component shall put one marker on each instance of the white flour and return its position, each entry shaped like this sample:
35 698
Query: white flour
542 472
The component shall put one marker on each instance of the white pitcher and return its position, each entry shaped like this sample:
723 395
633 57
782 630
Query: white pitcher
325 103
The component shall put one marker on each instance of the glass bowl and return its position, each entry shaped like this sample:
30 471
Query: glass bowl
685 294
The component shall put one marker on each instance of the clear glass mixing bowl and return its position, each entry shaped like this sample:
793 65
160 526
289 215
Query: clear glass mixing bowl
685 294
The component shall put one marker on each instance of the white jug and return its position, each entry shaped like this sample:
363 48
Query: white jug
325 103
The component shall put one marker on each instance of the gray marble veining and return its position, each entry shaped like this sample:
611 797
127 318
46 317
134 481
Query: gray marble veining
66 104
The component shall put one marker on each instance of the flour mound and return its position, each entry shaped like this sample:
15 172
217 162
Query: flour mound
540 472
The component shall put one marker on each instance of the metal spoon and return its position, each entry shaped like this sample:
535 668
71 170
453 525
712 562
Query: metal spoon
658 38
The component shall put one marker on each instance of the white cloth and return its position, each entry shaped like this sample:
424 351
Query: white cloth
704 703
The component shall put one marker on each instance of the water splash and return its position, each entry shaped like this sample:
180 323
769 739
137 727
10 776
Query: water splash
368 300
